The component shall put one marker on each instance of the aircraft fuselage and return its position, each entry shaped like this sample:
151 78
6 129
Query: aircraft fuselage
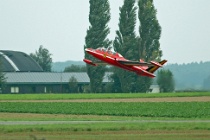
112 57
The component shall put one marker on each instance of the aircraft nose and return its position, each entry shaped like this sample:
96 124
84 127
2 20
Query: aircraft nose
88 50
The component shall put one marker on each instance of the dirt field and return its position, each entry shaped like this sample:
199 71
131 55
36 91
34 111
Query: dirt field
111 135
165 99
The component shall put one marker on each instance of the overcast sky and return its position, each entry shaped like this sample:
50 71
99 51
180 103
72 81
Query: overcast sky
61 25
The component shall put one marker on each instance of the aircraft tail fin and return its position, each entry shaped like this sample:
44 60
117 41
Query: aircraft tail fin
152 69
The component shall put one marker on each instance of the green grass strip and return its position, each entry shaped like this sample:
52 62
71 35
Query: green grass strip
97 96
150 109
105 127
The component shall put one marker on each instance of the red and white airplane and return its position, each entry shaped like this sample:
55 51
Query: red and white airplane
106 56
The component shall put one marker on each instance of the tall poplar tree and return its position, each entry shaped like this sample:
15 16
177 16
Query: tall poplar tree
99 17
126 43
150 31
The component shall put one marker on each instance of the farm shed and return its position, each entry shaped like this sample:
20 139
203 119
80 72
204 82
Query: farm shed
45 82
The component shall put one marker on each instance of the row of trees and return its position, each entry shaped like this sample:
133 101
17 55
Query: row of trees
164 79
132 46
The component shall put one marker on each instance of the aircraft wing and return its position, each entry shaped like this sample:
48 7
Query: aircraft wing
93 63
100 63
134 63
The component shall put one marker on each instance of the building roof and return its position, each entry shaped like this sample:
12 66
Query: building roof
154 86
14 61
47 77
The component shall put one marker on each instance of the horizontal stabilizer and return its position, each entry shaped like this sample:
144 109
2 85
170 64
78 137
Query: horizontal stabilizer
95 63
89 62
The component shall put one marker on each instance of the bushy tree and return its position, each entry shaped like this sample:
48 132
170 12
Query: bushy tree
114 85
165 80
43 58
99 17
73 85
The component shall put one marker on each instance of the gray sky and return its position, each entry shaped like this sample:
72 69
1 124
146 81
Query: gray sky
61 25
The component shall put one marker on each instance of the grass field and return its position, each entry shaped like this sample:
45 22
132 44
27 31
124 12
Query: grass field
157 109
97 96
103 120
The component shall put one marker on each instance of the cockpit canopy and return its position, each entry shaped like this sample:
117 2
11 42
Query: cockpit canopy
109 51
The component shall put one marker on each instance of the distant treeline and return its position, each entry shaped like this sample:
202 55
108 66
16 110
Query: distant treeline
191 76
60 66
